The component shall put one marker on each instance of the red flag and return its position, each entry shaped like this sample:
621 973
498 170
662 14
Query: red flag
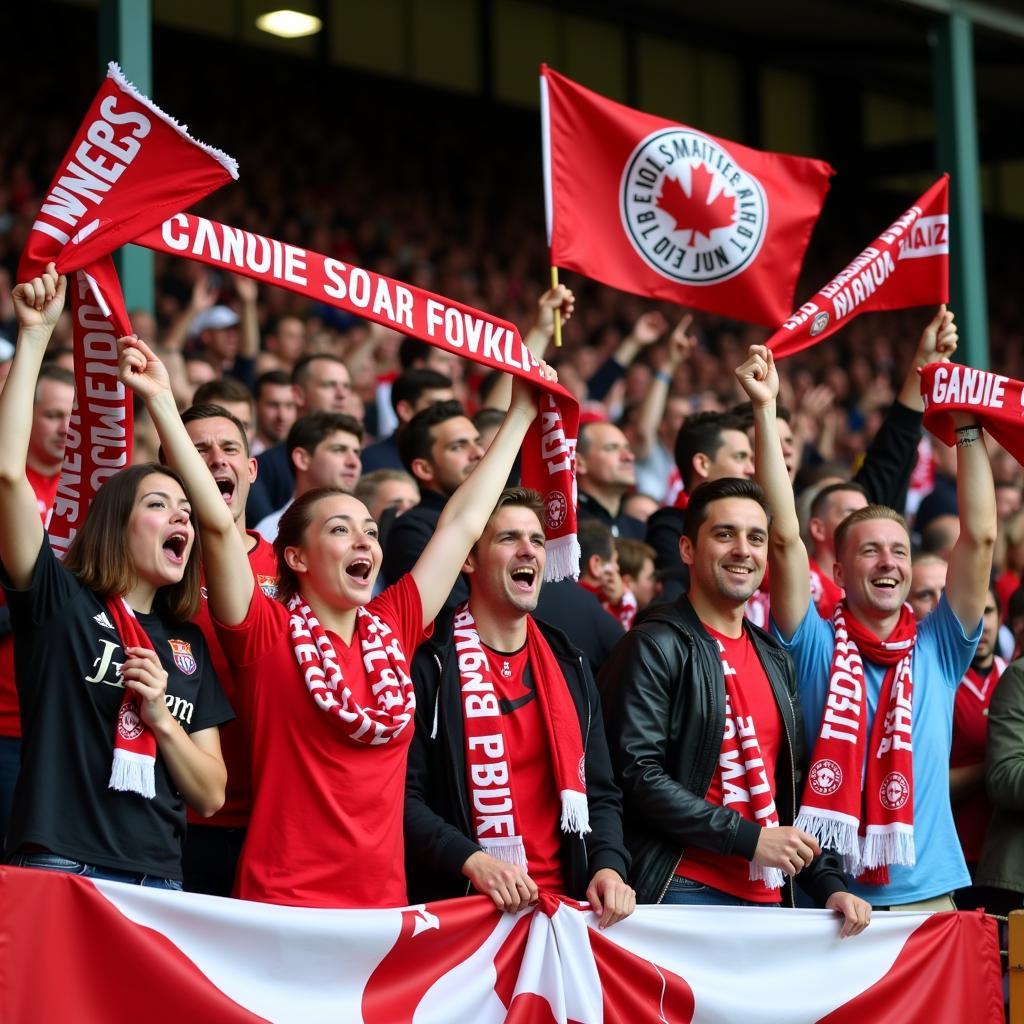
906 265
664 210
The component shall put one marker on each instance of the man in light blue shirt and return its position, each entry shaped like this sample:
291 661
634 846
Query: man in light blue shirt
873 567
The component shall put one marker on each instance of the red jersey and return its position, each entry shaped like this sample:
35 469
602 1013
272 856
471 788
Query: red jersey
730 872
327 819
45 488
538 806
234 744
970 737
824 592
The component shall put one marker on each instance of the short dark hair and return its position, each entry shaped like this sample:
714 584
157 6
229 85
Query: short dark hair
209 411
595 539
415 439
301 371
308 431
717 490
632 554
409 385
55 372
411 351
484 419
518 497
744 412
701 434
818 504
223 389
272 378
863 515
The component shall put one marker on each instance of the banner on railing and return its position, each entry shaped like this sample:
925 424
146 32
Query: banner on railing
98 952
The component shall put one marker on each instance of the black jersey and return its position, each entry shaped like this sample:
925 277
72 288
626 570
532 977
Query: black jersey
67 659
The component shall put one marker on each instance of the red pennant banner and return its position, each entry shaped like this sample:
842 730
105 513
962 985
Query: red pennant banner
664 210
906 265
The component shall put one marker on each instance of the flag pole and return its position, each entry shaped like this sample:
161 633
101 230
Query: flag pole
556 313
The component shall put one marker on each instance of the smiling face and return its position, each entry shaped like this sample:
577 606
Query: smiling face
160 533
727 563
506 565
218 441
340 555
874 568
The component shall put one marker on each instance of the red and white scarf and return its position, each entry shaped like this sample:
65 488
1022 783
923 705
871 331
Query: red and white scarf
625 611
385 664
134 766
492 795
741 770
865 814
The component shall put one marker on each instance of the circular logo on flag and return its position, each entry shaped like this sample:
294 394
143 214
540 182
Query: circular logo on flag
692 213
818 324
129 725
555 509
894 791
825 777
581 771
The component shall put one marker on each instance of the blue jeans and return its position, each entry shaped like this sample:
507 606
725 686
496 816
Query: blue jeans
686 892
54 862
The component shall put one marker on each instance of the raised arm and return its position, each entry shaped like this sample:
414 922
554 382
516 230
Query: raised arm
790 579
249 321
468 509
229 577
37 304
970 561
555 301
652 410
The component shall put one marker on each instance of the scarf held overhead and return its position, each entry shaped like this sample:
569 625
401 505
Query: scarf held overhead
492 790
865 814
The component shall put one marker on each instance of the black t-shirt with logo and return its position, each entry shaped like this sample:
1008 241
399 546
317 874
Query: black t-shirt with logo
66 657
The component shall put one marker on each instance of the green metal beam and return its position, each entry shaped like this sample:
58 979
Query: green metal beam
126 37
958 154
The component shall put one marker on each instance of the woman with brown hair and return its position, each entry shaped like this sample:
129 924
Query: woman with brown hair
330 703
119 705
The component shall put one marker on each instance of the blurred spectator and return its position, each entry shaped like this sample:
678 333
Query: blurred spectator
275 410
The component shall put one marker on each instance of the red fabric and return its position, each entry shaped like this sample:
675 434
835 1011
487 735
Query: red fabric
549 451
867 815
970 738
624 612
501 802
234 742
993 400
529 754
127 168
1006 583
824 592
326 825
672 213
746 765
906 265
45 488
134 741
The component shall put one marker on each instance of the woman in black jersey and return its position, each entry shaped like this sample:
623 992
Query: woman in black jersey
119 705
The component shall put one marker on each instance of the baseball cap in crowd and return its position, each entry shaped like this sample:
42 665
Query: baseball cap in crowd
216 318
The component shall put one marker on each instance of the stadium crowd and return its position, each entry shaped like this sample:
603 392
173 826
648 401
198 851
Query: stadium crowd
727 508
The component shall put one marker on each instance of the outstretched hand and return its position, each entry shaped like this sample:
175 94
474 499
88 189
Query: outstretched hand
758 376
524 392
681 342
139 369
558 300
39 302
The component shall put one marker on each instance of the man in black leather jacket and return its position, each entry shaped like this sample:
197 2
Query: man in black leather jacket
527 674
668 722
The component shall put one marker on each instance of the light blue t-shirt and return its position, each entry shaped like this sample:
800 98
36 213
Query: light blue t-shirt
941 656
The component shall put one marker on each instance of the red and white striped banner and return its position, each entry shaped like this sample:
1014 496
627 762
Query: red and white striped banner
82 951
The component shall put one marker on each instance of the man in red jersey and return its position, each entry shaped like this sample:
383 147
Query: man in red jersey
212 845
51 413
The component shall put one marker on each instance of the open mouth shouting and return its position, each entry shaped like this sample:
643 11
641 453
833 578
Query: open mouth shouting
524 578
359 570
175 547
226 486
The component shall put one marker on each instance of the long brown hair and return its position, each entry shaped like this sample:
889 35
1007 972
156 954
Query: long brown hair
98 555
291 532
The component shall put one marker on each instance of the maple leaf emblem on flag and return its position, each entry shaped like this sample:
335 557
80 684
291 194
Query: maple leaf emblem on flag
696 213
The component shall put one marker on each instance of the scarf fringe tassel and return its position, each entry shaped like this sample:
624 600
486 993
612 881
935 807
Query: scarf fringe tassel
774 878
839 836
575 813
888 848
133 773
563 558
511 850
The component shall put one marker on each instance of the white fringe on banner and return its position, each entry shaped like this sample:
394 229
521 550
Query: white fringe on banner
774 878
133 773
563 559
510 849
895 845
836 834
575 812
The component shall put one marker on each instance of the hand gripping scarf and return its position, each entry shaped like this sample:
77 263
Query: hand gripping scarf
386 676
492 792
134 767
865 814
741 770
